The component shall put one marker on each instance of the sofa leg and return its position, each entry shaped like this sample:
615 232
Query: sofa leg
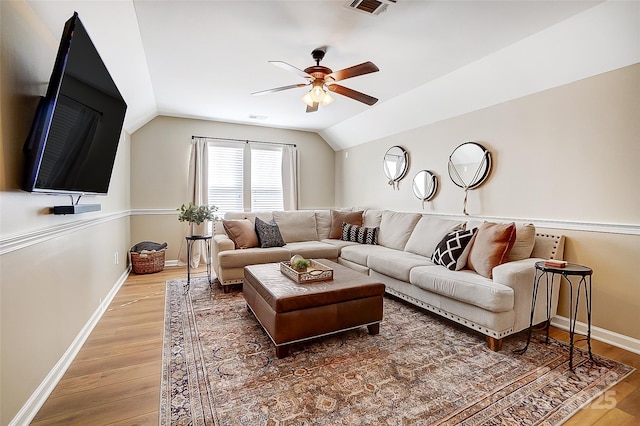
494 344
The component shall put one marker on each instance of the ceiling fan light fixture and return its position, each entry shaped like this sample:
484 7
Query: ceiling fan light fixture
327 99
307 98
317 93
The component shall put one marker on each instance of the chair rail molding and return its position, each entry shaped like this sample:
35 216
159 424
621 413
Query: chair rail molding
19 241
602 227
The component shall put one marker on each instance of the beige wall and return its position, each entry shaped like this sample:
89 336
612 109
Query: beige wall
55 271
567 154
160 164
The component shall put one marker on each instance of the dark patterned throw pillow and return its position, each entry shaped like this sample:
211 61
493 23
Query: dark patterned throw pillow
451 248
268 234
359 234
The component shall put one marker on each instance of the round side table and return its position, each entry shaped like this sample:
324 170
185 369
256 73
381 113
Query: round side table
207 242
581 276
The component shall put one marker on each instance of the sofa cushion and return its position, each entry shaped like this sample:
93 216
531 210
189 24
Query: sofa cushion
242 232
491 247
451 249
264 215
465 286
359 253
268 234
372 218
359 234
428 232
340 217
313 249
396 264
323 223
525 240
298 225
339 243
240 258
396 228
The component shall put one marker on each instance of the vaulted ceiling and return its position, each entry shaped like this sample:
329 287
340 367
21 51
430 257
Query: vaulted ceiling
203 59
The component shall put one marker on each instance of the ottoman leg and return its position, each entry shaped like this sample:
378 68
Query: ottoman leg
374 328
282 351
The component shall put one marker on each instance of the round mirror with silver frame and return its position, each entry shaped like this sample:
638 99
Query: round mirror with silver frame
425 185
395 165
469 165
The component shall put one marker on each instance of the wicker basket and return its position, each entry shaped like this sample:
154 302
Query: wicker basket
147 263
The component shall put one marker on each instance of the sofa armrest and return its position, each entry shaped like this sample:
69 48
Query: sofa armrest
519 276
220 243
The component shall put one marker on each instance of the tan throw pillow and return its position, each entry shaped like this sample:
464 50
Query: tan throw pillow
242 232
491 247
525 240
338 218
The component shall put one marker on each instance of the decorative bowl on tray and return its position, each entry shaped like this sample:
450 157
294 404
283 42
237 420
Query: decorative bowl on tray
315 272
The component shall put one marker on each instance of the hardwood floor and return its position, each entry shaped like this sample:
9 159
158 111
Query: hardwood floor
115 379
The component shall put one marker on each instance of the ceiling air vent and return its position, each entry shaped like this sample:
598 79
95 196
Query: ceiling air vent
370 7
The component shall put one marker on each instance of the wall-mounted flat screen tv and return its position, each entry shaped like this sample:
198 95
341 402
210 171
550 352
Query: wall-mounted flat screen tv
74 136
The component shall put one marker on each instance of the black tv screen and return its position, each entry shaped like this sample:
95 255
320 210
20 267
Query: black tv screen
74 136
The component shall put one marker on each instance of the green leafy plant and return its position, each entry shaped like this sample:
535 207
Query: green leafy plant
196 214
301 264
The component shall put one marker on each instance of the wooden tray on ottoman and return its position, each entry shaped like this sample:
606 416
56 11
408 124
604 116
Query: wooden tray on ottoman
315 272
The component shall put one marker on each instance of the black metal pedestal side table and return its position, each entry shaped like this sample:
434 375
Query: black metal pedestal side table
583 283
207 242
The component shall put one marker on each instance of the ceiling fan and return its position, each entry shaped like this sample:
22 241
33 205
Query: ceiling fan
322 79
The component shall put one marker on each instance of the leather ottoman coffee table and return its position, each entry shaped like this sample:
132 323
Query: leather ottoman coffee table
291 312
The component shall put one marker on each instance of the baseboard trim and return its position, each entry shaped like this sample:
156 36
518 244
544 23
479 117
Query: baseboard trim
606 336
42 392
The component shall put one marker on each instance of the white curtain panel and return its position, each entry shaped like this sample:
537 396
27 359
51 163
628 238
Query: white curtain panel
198 185
290 177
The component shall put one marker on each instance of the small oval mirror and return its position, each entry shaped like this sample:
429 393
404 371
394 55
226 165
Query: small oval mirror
425 185
469 165
395 164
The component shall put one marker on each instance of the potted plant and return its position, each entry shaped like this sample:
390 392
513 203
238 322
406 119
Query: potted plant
196 214
299 263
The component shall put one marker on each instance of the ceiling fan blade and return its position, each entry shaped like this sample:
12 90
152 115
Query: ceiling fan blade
313 108
354 71
279 89
292 69
353 94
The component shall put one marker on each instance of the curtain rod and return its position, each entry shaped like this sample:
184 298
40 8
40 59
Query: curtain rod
244 140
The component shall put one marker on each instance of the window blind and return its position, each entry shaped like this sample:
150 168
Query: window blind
266 179
225 177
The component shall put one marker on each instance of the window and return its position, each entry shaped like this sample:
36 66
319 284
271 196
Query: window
245 177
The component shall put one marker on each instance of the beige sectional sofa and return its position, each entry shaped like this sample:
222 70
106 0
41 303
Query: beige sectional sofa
494 300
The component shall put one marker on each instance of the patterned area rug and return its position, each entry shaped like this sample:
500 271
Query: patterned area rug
220 368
